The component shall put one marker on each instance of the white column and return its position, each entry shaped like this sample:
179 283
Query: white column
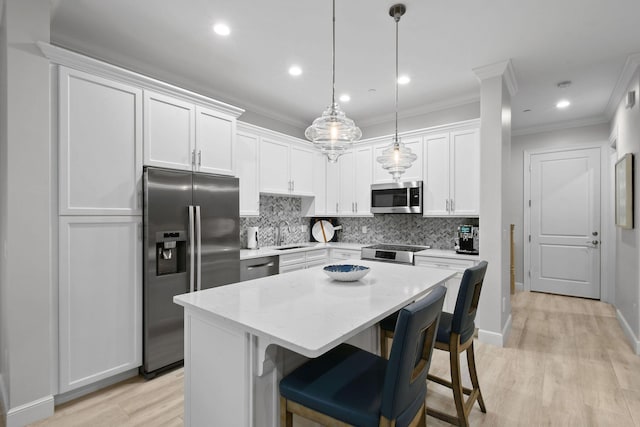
497 86
26 267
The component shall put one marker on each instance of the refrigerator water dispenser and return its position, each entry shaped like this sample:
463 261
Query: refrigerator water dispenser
171 252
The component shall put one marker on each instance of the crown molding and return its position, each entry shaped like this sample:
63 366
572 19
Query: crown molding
462 125
81 62
560 125
418 111
630 66
499 69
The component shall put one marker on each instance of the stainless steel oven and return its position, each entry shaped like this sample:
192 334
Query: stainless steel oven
397 197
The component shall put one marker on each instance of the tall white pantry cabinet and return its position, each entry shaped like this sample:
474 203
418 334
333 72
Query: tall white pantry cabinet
111 122
100 228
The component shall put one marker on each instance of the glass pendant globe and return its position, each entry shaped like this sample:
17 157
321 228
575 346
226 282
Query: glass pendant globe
333 132
396 159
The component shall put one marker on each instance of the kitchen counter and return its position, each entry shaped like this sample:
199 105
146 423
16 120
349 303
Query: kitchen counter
445 253
240 340
306 246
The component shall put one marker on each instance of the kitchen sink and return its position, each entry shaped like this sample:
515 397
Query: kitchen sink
284 248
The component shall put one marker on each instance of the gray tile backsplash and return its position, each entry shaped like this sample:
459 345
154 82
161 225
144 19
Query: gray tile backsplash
411 229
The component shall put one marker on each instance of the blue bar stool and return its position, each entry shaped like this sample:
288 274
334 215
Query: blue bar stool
455 335
349 386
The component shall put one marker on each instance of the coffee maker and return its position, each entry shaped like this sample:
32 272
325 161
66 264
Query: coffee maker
467 240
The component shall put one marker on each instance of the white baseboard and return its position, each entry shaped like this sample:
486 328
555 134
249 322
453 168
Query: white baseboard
30 412
495 338
3 397
90 388
633 340
519 286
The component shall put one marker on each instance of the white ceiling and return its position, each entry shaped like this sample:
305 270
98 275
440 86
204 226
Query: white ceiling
441 41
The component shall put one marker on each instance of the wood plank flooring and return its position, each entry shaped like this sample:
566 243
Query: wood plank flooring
566 363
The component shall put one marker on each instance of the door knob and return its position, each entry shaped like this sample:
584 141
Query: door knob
595 233
593 242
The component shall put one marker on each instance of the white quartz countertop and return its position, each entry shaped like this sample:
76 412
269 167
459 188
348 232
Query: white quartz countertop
306 246
307 312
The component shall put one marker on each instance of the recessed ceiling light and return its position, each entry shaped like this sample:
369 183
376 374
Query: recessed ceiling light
222 29
294 70
563 103
403 80
345 98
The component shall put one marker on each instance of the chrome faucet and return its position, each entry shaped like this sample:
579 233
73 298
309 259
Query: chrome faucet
279 236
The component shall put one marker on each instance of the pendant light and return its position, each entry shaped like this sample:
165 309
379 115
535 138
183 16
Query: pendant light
396 158
333 132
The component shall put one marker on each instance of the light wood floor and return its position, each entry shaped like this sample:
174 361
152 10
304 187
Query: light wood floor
566 363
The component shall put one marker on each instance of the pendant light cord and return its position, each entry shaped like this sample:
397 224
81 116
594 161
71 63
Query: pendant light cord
397 19
333 58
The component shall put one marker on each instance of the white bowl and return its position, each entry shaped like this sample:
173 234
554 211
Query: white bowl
346 272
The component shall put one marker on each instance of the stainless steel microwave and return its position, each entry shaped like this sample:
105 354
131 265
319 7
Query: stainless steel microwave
397 197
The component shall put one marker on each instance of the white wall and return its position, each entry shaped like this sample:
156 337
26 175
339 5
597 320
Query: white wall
433 118
4 191
627 293
26 196
551 140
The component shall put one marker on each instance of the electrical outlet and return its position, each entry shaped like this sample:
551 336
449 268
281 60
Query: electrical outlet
364 229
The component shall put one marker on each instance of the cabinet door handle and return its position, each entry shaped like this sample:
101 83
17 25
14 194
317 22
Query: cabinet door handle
193 157
453 206
356 207
293 185
199 157
336 207
447 202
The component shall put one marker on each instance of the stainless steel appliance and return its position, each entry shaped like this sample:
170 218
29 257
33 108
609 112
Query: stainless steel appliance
467 240
397 197
191 242
391 253
256 268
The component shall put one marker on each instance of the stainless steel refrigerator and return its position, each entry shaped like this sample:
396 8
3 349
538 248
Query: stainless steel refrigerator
191 242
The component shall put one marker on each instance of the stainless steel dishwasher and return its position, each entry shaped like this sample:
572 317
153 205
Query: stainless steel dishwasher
256 268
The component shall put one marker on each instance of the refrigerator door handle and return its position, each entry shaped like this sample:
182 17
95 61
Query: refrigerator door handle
192 251
198 250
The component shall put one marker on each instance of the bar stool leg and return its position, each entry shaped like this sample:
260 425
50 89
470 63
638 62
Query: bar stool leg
456 382
473 373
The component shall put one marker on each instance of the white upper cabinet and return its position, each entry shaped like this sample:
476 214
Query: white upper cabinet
349 183
169 132
100 163
301 159
465 173
414 173
347 203
215 142
333 187
181 135
362 181
285 168
451 174
317 205
248 157
274 167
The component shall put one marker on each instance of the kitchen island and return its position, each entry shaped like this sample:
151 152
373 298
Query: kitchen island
241 339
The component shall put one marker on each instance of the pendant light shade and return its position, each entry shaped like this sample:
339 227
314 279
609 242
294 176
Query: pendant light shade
333 132
396 158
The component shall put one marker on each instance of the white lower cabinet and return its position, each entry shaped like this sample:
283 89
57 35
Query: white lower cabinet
453 284
301 260
100 298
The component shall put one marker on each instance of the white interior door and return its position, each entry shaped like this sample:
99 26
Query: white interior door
565 222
